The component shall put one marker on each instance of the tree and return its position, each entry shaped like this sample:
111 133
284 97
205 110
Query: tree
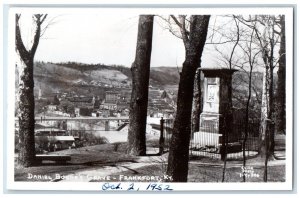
267 36
140 70
197 103
194 41
250 54
56 100
243 56
280 94
228 115
26 155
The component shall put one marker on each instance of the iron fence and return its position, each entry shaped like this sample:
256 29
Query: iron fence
207 142
210 142
166 126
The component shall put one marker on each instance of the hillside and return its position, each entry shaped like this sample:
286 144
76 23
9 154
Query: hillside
165 75
94 79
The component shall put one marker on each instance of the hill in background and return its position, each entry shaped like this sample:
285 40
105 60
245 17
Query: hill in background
89 79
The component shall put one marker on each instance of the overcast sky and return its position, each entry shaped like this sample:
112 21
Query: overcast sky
102 38
108 38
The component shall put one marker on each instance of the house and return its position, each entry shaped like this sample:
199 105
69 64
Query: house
122 104
108 106
105 113
83 101
112 97
83 111
96 113
77 111
52 107
97 103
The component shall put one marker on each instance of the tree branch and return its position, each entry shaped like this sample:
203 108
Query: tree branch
39 20
169 28
19 43
182 28
236 43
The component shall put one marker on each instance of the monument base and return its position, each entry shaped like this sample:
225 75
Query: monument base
210 122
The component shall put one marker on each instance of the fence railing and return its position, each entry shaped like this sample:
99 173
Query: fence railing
166 126
207 142
210 143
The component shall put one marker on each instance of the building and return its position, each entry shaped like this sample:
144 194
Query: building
77 111
52 107
40 93
112 97
108 106
121 105
83 101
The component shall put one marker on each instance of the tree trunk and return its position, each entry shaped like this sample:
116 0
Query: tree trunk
267 131
280 121
247 117
197 106
264 113
140 70
179 145
26 155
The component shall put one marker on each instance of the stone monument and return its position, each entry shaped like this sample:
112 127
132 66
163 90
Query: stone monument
217 106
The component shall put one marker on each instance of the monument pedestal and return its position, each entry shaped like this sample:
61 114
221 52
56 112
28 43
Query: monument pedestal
216 118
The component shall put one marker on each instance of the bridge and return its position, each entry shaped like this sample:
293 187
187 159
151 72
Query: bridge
47 118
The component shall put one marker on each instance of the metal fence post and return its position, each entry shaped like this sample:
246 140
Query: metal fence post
161 138
224 139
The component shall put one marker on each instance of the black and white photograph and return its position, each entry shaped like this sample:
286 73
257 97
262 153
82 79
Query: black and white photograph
150 99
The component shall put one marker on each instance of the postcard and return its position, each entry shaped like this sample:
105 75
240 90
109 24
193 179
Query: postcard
149 99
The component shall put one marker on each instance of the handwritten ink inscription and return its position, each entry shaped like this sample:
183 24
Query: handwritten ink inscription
136 187
248 172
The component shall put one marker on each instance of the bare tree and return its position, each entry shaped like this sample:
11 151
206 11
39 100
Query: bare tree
280 93
250 54
229 59
194 38
197 102
228 125
266 34
267 44
246 63
140 70
26 95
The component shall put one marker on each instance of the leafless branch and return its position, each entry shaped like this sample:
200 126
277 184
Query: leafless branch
19 44
181 25
50 23
236 43
40 18
169 28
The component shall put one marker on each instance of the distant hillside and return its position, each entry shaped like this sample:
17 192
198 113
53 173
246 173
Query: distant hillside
52 77
165 75
75 72
95 79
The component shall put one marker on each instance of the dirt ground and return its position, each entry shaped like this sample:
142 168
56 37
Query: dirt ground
100 162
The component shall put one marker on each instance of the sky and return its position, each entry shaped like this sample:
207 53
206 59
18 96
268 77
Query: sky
109 36
100 38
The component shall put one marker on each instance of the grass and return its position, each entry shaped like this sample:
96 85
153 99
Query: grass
81 158
200 173
201 169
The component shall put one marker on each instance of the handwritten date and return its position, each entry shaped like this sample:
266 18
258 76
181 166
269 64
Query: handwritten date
136 187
